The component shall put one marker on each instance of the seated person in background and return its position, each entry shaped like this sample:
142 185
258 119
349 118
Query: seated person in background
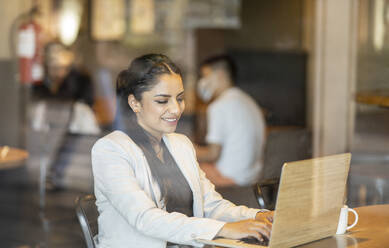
65 89
235 127
149 189
63 81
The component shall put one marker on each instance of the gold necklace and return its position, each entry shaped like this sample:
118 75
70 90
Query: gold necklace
159 151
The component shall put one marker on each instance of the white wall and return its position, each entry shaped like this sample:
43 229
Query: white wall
9 10
332 77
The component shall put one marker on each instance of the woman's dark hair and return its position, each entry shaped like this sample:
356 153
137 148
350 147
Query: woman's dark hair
142 75
139 77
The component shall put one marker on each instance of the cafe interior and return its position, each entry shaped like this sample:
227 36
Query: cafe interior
317 69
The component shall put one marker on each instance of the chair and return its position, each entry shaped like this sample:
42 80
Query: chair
266 193
239 195
87 214
283 145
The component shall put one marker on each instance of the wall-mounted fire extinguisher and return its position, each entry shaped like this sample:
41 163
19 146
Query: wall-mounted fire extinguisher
30 52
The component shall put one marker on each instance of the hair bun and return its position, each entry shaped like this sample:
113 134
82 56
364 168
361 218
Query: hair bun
121 82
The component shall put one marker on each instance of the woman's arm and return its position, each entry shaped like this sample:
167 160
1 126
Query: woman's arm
115 178
242 221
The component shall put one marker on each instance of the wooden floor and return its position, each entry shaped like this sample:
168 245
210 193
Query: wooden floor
24 224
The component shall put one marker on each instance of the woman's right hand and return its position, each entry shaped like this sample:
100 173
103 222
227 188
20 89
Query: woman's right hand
245 229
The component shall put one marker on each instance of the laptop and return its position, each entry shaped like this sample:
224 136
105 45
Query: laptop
310 196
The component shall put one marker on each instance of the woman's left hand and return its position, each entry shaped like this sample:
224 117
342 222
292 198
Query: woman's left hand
266 217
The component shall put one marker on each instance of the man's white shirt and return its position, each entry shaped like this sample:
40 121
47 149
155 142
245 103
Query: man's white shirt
236 123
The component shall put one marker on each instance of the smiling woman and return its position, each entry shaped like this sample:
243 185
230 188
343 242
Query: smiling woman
160 108
150 191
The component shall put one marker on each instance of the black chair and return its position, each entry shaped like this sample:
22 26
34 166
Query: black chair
87 215
266 193
239 195
283 145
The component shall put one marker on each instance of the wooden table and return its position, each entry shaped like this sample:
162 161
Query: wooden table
376 97
371 231
11 157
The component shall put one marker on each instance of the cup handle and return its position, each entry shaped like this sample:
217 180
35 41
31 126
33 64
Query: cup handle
356 218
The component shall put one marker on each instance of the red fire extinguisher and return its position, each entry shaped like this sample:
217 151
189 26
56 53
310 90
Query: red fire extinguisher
30 53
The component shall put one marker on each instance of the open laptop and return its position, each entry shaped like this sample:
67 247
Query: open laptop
310 196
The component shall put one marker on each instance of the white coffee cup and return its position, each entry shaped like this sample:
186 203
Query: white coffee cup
343 219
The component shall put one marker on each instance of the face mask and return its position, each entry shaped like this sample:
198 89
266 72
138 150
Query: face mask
206 87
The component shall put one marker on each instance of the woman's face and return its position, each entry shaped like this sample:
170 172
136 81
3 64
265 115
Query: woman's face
160 108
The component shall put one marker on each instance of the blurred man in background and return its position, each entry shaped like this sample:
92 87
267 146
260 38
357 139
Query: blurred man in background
62 110
235 127
63 81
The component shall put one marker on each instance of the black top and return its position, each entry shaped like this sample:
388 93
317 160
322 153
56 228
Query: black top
76 86
179 196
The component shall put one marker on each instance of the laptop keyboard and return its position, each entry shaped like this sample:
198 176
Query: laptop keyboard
255 241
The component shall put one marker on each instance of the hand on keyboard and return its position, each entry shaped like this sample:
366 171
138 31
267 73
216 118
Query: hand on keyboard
245 228
252 240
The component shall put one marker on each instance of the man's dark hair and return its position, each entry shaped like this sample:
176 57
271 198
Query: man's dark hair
223 62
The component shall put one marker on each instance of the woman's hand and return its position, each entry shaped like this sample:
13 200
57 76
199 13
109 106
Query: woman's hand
266 217
245 229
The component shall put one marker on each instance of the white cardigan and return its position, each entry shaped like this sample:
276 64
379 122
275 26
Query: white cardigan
131 213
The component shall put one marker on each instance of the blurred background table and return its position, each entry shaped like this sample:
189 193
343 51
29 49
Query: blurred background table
375 97
11 157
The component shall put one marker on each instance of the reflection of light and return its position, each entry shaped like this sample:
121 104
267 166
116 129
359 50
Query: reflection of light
69 21
4 152
316 187
379 31
142 16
